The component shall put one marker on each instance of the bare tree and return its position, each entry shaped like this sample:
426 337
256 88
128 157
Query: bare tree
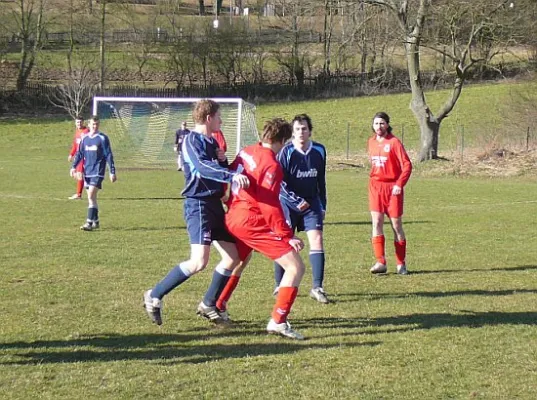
75 95
412 17
30 22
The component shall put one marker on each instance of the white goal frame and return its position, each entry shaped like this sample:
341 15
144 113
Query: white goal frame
229 100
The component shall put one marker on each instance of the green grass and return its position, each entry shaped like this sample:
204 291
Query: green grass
462 325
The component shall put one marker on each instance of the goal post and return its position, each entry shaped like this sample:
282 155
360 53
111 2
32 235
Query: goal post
142 129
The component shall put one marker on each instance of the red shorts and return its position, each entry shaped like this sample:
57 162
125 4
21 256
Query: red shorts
382 200
252 233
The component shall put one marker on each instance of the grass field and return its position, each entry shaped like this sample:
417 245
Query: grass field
461 325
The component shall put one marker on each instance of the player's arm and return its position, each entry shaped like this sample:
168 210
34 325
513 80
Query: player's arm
405 163
287 196
321 180
74 148
207 168
79 156
109 158
291 199
267 196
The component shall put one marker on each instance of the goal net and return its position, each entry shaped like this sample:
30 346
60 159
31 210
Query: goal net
142 130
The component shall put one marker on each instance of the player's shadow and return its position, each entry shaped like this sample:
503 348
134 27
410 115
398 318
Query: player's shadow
160 348
466 270
368 222
144 198
411 322
145 228
352 297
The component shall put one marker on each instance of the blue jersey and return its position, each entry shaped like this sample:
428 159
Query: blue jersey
304 175
95 152
204 174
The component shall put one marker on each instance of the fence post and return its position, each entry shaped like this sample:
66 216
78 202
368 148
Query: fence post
528 139
462 142
348 138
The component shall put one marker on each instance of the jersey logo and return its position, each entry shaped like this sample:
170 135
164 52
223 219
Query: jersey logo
248 159
379 161
312 173
269 178
387 148
91 148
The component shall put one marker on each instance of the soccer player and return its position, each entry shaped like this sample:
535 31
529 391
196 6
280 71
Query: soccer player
255 218
177 147
94 152
220 139
205 170
80 131
390 171
303 197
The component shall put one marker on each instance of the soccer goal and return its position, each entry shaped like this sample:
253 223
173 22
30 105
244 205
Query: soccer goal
142 129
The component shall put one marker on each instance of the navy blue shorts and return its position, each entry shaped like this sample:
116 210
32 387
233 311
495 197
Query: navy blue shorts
205 221
96 181
309 220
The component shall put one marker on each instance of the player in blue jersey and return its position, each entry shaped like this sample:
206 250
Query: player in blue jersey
303 197
95 152
205 170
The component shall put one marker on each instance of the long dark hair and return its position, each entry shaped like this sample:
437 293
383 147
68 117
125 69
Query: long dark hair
385 117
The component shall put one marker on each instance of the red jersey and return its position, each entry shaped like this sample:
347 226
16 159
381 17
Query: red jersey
220 139
389 160
79 134
262 197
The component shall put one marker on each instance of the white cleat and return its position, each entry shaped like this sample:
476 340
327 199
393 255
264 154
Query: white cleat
401 269
153 307
75 197
319 295
379 268
284 329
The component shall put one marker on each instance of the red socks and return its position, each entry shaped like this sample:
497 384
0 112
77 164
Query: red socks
232 283
79 187
400 251
378 243
284 302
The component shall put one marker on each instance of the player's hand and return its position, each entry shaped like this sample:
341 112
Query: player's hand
296 243
240 181
303 206
396 190
113 178
69 158
175 148
72 172
221 155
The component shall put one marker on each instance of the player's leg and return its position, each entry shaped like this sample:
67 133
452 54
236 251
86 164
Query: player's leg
179 162
231 285
93 211
378 199
396 217
294 271
316 257
292 218
221 275
199 257
79 182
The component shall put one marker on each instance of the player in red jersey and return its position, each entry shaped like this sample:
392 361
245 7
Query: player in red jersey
255 218
390 171
80 131
220 139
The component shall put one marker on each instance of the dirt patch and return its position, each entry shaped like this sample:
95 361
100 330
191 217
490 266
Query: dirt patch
495 163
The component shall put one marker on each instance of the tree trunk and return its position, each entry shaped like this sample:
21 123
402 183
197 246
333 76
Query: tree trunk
202 7
102 45
429 125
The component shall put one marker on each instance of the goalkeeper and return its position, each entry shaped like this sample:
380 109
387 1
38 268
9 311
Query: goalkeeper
180 135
